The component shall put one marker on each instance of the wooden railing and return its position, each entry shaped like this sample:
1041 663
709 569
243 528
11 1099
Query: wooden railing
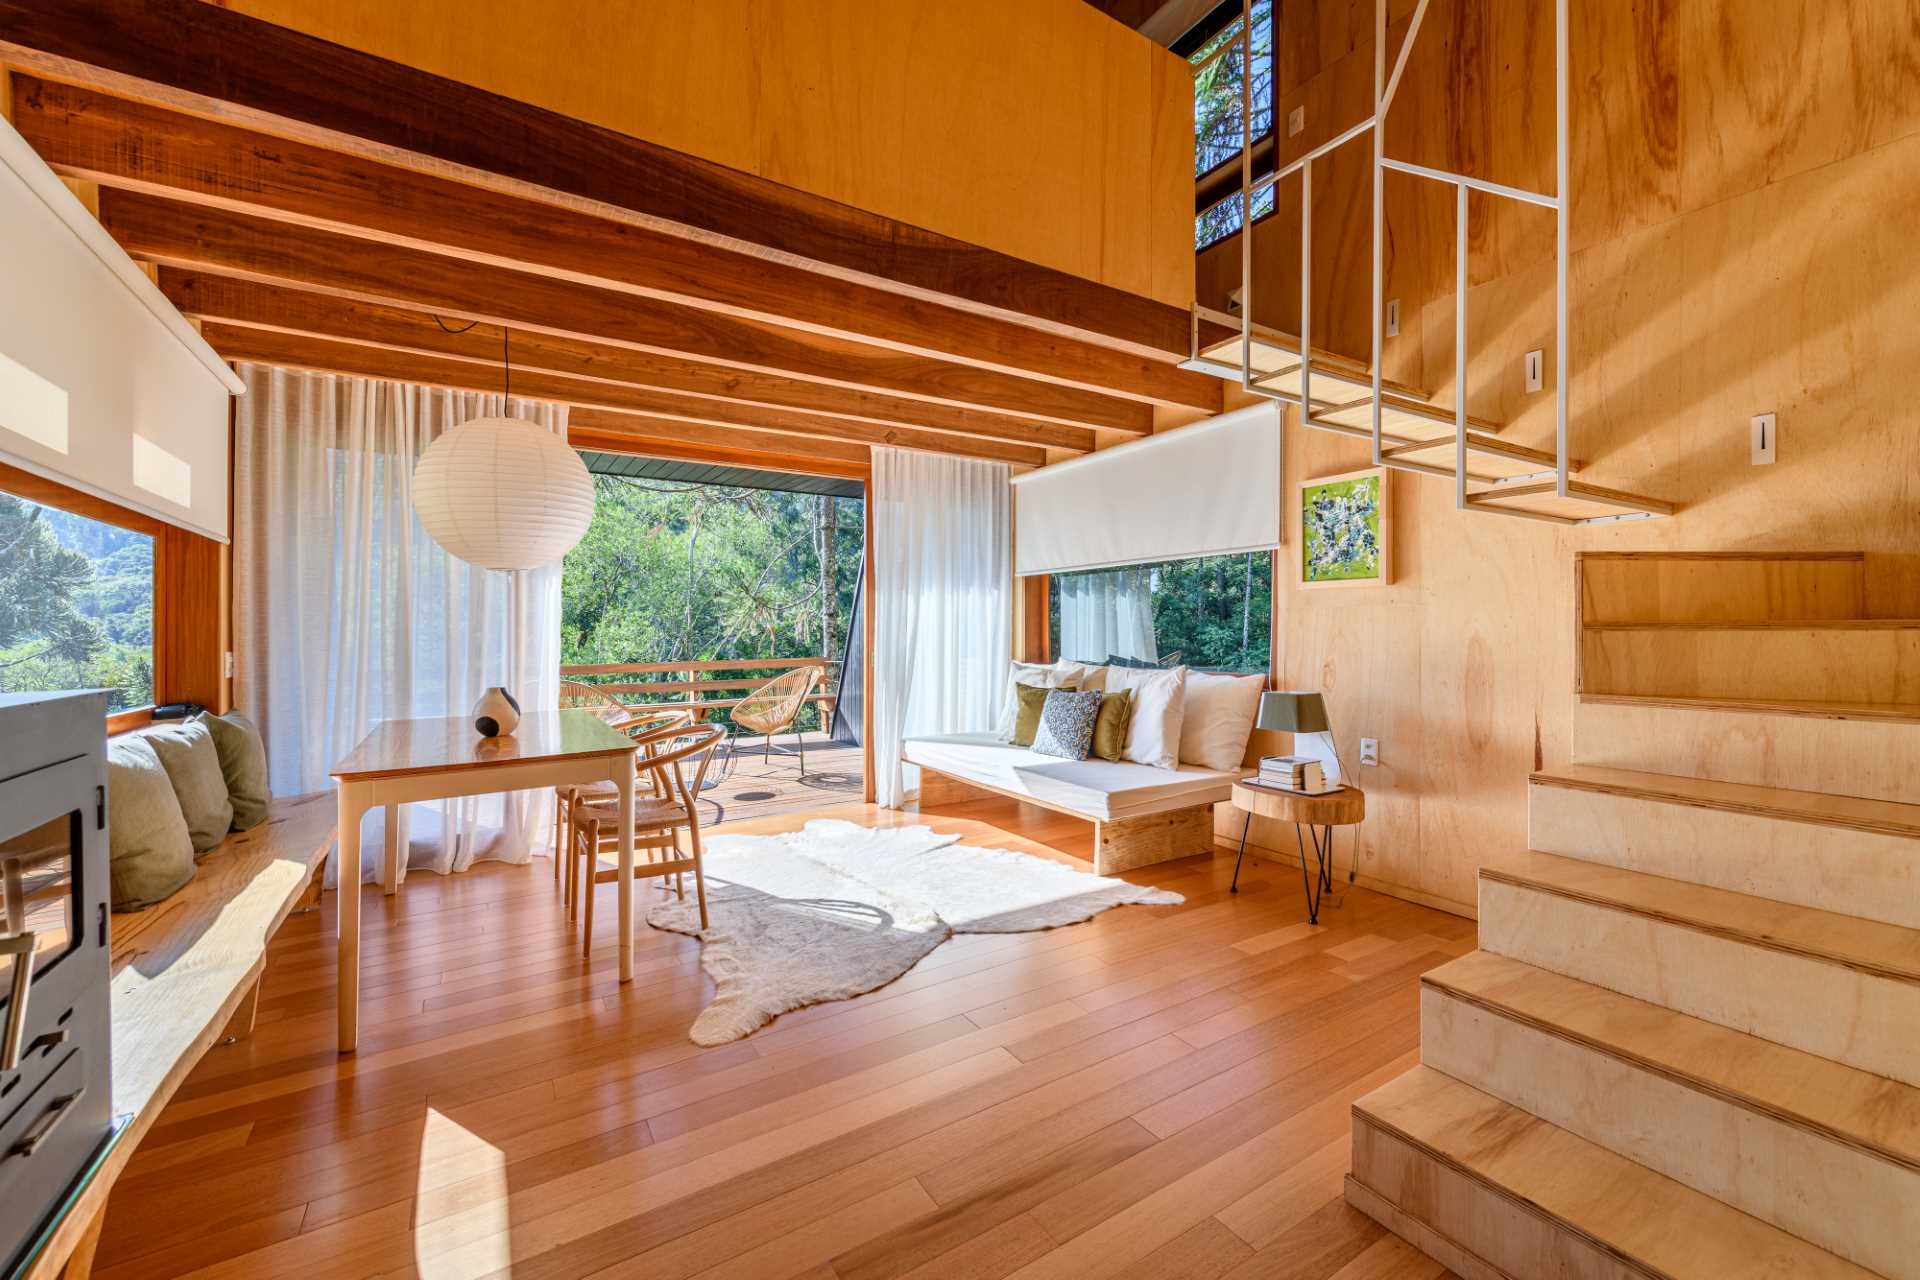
696 678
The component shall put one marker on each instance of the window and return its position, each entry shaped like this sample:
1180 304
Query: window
1219 65
1223 219
1214 612
76 604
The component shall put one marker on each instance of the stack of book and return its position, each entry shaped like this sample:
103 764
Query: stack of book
1292 773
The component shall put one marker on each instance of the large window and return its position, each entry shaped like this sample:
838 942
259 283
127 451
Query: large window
76 604
1214 612
1220 127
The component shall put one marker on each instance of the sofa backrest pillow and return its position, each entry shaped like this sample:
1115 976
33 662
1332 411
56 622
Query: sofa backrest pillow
1159 698
1066 723
1219 718
187 753
1110 730
1033 697
243 763
150 855
1037 675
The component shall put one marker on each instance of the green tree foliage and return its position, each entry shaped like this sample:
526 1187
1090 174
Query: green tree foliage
697 573
1215 612
76 604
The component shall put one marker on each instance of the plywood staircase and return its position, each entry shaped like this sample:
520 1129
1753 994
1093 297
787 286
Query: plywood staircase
1689 1045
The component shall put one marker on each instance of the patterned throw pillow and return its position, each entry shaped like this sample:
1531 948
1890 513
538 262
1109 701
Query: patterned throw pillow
1066 723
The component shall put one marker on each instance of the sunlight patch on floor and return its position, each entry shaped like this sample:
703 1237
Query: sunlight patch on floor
450 1153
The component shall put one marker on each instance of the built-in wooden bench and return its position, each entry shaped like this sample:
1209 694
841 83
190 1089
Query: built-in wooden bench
186 976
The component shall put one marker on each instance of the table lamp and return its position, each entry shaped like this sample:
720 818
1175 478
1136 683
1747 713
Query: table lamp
1305 716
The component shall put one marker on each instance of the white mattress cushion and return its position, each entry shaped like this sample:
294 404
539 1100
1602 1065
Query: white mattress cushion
1094 788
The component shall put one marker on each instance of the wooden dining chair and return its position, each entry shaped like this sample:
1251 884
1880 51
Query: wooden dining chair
775 705
632 720
677 756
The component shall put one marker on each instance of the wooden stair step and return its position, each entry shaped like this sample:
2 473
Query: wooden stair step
1677 586
1892 712
1838 986
1841 660
1582 502
1845 854
1814 1147
1522 1197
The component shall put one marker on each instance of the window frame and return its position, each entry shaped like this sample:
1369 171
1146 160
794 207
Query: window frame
36 488
1218 19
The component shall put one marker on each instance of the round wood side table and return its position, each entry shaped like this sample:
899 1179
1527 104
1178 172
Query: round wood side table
1318 814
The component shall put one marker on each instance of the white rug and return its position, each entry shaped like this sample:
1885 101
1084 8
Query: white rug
836 909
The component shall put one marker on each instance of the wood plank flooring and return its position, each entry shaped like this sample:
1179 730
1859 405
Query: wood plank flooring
1160 1092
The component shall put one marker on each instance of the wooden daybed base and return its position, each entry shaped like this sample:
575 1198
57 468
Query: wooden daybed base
186 976
1119 844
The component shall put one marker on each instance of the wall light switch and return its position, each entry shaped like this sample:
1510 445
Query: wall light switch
1766 437
1536 369
1296 120
1369 751
1393 317
228 665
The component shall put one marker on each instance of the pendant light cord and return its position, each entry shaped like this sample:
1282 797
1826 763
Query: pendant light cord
506 353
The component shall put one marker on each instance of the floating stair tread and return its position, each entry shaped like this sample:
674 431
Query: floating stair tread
1659 1226
1884 816
1858 1109
1899 712
1868 946
1792 624
1579 493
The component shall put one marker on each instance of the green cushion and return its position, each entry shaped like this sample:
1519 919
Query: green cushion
1110 730
1026 723
243 762
187 752
151 854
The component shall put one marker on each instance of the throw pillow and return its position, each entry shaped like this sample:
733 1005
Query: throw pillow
1066 723
1159 701
243 763
1032 697
1110 730
1042 675
1218 719
149 852
187 753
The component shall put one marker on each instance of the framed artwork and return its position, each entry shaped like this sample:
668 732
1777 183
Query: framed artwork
1345 530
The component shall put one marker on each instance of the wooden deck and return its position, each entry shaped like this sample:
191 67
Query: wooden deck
1157 1092
759 787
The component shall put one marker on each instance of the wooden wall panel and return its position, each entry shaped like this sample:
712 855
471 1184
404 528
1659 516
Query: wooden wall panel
1040 128
1746 196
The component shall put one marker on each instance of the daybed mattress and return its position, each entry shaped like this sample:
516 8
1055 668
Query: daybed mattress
1101 789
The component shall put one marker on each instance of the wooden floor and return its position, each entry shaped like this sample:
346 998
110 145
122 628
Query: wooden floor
1160 1092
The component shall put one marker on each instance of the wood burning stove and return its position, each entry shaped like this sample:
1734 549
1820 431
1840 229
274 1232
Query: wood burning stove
55 1114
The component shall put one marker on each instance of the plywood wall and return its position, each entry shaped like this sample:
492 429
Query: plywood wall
1746 206
1040 128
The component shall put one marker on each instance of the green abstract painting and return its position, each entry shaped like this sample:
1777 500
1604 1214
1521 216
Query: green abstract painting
1343 529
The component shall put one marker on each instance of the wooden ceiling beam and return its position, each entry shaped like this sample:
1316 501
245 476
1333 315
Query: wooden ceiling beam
605 431
232 301
168 232
115 142
214 62
267 346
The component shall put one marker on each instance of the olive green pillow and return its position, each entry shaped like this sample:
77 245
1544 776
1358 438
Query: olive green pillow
243 762
150 854
187 753
1110 730
1026 723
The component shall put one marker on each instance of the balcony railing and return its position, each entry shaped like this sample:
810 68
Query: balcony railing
681 684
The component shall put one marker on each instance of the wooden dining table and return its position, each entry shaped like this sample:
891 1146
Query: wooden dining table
403 761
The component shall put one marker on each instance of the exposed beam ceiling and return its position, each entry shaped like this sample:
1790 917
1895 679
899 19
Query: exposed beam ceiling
605 431
233 302
117 143
213 62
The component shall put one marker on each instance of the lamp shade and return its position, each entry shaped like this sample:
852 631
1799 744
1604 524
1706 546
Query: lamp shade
503 493
1293 712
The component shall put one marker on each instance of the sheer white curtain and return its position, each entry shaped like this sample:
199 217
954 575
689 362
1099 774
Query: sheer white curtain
1107 614
943 602
347 612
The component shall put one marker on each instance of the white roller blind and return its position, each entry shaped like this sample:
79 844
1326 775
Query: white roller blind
1209 489
103 385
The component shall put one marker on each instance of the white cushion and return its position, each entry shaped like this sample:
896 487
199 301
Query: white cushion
1101 790
1040 675
1153 735
1219 718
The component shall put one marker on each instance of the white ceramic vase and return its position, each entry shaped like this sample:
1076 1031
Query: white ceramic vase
496 714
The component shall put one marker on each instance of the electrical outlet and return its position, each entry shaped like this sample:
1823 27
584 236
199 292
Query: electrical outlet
1393 317
1296 120
1369 751
1536 369
228 665
1766 437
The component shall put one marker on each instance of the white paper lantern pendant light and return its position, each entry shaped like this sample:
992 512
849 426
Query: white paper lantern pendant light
503 493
